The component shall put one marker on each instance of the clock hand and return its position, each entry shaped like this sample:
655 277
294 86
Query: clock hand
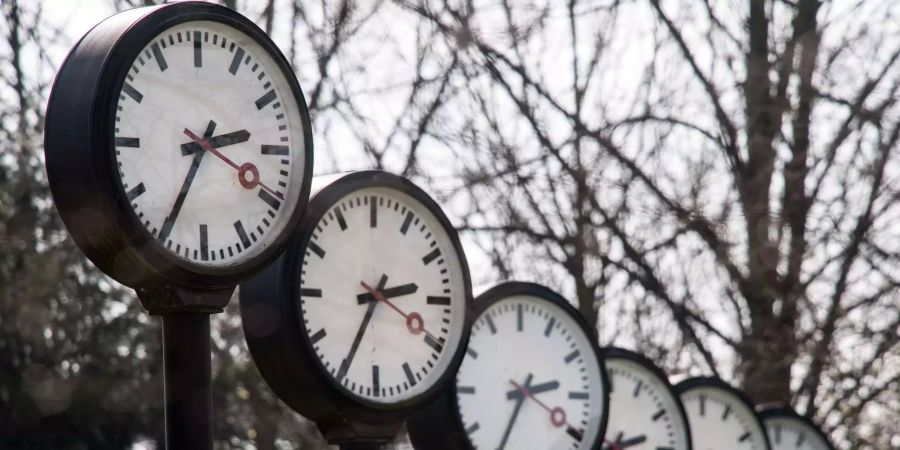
414 322
515 413
345 364
613 445
169 222
633 441
391 292
243 170
222 140
534 390
557 415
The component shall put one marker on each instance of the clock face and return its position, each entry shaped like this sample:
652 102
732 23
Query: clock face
383 295
210 144
644 411
720 419
531 378
791 433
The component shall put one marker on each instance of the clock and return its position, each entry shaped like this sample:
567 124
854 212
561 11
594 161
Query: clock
178 146
645 411
367 314
721 416
533 377
788 430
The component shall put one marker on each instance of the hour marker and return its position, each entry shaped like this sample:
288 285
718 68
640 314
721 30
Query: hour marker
437 346
316 249
472 353
637 389
490 323
242 234
132 92
198 56
576 434
310 292
265 99
406 222
658 414
549 328
267 197
726 412
157 54
431 256
800 438
204 243
571 356
281 150
317 336
409 374
376 386
744 437
373 212
340 218
578 395
135 192
465 389
236 62
519 318
472 428
702 405
436 300
127 142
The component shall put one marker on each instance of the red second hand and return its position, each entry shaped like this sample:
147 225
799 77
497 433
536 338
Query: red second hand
557 415
242 169
411 318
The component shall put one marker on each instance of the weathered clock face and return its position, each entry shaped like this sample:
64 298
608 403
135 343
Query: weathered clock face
719 419
530 379
644 411
383 295
790 433
210 145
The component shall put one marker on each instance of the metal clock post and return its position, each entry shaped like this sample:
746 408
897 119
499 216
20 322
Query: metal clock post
365 317
179 153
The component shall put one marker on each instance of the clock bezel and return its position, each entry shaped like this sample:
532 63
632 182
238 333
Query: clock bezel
779 412
287 358
611 353
439 426
718 383
80 151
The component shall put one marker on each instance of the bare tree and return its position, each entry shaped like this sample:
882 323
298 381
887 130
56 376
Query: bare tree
727 172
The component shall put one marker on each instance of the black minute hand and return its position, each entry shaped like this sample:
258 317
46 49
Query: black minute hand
185 187
345 364
222 140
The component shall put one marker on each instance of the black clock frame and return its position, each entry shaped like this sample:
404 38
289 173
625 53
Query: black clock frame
718 383
439 427
789 413
611 353
277 337
80 152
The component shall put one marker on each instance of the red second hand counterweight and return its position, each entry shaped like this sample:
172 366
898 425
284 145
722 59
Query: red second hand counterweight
557 415
243 169
411 318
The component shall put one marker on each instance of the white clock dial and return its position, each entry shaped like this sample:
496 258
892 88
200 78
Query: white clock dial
530 379
210 145
719 419
383 295
789 433
644 412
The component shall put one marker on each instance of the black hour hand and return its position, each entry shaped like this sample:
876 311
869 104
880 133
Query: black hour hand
222 140
391 292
